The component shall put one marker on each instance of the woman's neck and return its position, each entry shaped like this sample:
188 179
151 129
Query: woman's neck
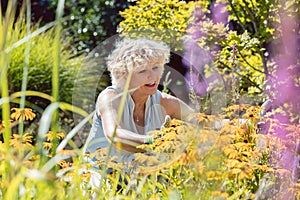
139 110
139 100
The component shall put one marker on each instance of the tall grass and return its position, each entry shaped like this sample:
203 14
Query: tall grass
14 175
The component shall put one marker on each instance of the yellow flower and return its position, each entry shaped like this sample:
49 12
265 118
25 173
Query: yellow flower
64 164
231 152
243 170
22 114
85 176
47 145
2 125
200 117
253 113
237 108
24 140
213 175
59 135
27 139
221 194
67 152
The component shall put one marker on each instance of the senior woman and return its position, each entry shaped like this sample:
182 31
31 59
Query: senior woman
145 106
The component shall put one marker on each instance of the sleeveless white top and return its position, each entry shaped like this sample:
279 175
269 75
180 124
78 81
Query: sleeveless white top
153 121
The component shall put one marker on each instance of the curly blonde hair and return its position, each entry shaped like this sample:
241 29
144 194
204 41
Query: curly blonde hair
130 55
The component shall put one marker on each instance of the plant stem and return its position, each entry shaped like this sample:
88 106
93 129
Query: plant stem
55 72
26 63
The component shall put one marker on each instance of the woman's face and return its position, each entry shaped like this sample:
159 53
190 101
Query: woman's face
147 79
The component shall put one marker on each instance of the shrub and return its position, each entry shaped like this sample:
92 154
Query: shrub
161 20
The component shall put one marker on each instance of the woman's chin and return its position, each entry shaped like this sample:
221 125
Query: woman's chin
150 90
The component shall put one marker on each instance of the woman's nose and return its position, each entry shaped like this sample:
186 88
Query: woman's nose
150 74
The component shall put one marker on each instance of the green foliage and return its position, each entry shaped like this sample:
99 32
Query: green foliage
40 62
161 20
89 23
260 17
240 57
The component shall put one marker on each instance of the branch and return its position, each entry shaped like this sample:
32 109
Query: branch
247 78
244 59
236 14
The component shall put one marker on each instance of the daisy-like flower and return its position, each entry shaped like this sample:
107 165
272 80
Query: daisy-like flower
213 175
253 114
47 145
50 136
23 140
22 114
236 109
2 125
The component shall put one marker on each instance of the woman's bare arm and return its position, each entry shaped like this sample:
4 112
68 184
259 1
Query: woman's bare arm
108 105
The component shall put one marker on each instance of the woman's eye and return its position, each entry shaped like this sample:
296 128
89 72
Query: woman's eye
155 68
143 71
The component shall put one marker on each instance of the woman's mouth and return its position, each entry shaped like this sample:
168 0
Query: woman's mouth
150 84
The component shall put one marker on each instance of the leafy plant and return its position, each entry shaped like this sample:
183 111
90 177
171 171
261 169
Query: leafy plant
91 23
161 20
40 61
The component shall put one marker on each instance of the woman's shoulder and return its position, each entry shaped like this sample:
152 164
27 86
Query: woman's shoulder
167 98
108 92
175 107
169 102
107 95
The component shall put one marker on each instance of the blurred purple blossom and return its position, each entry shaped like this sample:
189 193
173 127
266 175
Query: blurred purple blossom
195 58
286 91
219 13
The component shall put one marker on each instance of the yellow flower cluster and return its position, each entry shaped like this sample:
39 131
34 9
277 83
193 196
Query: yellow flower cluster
2 125
21 141
166 140
234 154
22 114
48 144
253 114
235 110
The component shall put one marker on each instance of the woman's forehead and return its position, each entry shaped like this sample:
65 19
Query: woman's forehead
149 65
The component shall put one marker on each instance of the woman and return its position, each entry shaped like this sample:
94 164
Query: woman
145 107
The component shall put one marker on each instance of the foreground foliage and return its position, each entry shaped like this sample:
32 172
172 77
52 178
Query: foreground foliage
187 159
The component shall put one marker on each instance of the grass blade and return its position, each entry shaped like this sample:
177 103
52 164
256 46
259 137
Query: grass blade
26 63
73 132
